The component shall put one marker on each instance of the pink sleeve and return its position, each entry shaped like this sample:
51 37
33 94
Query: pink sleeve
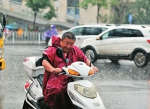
49 52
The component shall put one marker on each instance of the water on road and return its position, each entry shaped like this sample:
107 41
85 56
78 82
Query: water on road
121 85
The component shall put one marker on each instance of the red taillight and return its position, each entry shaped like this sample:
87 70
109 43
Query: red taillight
26 59
27 85
148 41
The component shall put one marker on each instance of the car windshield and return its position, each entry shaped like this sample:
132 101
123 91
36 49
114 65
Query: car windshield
77 31
88 30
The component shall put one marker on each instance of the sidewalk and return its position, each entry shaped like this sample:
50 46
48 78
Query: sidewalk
7 42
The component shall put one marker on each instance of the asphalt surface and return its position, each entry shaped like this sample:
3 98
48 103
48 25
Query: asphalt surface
121 85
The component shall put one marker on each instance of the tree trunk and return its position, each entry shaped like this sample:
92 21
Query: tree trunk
98 9
35 13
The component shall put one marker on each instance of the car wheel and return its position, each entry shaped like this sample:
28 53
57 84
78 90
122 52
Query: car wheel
140 59
90 53
26 105
114 60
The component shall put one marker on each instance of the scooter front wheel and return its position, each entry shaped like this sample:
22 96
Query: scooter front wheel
26 105
76 107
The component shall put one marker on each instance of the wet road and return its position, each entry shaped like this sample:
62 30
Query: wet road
121 85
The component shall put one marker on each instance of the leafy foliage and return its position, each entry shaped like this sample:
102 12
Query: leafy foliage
36 5
104 18
120 11
141 12
99 4
95 3
51 13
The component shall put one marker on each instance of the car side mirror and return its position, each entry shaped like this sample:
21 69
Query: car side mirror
98 38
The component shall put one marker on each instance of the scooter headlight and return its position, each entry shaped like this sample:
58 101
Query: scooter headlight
88 92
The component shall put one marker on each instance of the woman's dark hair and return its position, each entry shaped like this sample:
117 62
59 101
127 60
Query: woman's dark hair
69 35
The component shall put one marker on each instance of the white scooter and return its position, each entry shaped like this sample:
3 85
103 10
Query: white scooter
82 92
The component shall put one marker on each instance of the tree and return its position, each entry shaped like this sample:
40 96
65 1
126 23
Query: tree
98 3
141 11
36 5
120 11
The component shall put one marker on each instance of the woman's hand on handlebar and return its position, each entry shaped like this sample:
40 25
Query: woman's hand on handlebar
91 65
57 70
95 69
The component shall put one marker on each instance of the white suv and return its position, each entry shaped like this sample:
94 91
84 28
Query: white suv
121 42
83 32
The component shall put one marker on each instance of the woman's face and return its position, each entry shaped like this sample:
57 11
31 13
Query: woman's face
67 44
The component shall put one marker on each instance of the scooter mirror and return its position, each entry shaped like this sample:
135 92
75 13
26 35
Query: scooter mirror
59 53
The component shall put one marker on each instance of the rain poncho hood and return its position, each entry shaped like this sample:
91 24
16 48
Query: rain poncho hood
54 41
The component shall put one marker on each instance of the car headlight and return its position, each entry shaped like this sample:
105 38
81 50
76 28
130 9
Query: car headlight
73 72
88 92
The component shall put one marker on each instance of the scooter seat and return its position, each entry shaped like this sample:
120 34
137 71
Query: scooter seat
40 79
42 104
39 62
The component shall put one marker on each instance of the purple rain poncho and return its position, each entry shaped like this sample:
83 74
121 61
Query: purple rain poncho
50 33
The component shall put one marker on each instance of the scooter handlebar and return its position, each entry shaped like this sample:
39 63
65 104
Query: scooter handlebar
62 73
